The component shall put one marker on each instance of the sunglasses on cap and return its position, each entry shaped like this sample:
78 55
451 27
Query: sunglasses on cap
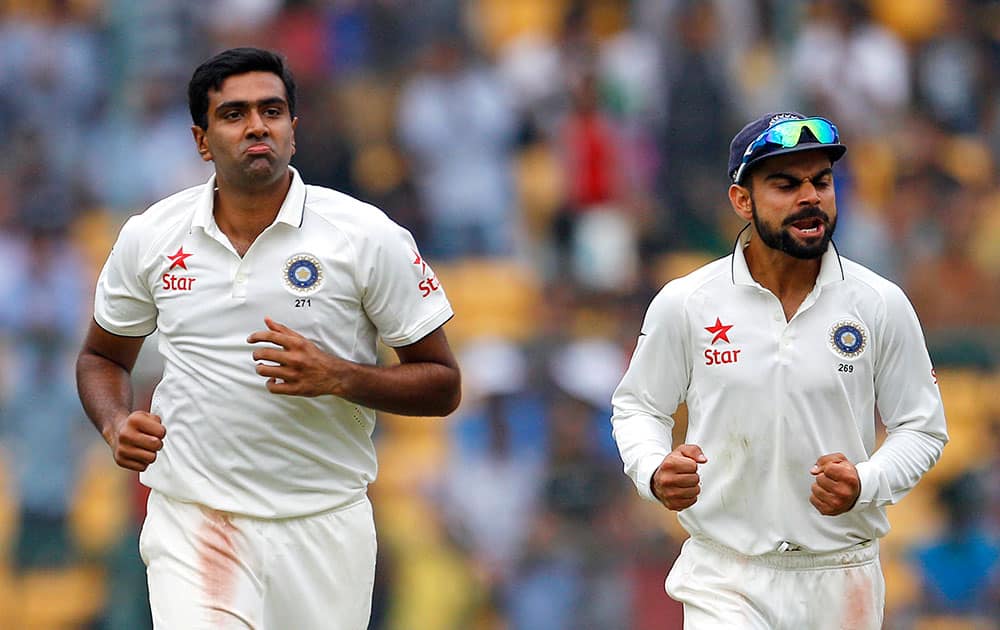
787 134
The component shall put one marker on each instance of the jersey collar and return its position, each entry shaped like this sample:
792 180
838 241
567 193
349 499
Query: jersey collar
291 210
830 267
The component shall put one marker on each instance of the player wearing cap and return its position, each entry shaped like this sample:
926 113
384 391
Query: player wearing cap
784 352
269 296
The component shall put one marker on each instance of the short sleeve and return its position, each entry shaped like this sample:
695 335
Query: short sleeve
400 292
123 303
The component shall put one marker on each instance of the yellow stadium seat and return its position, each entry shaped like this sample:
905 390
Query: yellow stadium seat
902 587
58 599
495 297
100 508
502 21
673 265
8 512
954 622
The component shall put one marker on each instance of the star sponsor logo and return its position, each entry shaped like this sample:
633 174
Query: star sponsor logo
720 332
303 274
428 283
848 339
177 260
173 282
420 262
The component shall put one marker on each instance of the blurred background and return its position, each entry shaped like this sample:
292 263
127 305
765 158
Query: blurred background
558 161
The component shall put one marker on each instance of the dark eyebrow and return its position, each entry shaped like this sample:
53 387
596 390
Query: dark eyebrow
273 100
794 180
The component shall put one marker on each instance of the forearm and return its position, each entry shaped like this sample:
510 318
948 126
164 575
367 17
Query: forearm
643 441
896 467
411 389
105 389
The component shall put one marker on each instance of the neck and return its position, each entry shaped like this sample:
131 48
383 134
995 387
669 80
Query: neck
790 279
242 214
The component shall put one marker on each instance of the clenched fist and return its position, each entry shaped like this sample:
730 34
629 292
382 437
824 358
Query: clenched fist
135 440
675 482
837 485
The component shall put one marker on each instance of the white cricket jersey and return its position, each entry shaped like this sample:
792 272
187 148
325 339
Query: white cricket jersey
332 268
766 398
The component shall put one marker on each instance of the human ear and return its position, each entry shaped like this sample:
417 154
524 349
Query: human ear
741 199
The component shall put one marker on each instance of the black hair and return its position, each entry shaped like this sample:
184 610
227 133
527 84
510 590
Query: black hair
211 74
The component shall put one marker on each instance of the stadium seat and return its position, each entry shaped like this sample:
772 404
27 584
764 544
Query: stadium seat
676 264
954 622
502 21
411 452
965 394
492 297
57 599
8 512
540 188
100 506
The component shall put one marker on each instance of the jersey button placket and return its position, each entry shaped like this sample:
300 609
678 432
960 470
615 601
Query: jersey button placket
240 281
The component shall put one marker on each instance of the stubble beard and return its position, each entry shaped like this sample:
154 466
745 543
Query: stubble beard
783 241
259 171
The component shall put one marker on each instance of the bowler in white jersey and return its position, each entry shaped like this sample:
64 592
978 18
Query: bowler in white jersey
784 353
269 296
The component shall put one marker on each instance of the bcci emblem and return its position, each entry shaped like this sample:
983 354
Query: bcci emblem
303 274
848 339
782 118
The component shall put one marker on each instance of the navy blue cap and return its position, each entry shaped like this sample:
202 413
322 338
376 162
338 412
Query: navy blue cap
753 129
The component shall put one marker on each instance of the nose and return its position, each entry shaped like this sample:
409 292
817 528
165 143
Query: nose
810 194
256 127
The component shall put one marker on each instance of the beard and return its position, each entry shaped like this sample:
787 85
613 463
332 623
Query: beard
781 239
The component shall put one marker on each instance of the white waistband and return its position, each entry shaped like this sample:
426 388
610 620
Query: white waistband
862 553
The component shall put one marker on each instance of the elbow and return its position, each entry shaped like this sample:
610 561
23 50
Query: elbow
451 395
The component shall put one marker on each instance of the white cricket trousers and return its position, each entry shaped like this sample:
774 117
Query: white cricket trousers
792 590
214 570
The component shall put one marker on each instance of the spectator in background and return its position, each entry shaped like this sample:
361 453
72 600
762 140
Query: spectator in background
851 66
457 123
959 572
950 290
142 150
41 303
498 444
695 133
593 232
948 71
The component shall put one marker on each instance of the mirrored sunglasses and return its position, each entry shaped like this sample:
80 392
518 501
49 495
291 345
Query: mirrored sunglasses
787 134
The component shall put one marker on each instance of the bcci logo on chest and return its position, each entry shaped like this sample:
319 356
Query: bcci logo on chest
848 339
303 274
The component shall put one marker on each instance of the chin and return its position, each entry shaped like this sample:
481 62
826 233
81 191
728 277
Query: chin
805 252
260 173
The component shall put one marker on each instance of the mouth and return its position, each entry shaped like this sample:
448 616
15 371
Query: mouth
808 229
258 149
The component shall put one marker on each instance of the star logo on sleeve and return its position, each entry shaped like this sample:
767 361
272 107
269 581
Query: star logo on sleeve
177 260
720 330
420 261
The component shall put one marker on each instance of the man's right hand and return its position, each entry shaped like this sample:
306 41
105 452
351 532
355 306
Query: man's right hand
675 482
135 440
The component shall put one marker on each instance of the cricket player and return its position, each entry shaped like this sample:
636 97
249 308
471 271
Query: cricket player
269 296
785 353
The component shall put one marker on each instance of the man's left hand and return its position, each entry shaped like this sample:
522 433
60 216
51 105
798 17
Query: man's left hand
837 485
301 369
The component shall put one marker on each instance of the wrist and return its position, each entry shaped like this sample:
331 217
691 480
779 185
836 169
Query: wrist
112 428
341 376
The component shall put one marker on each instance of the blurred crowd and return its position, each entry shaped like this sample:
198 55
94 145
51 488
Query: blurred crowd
558 161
